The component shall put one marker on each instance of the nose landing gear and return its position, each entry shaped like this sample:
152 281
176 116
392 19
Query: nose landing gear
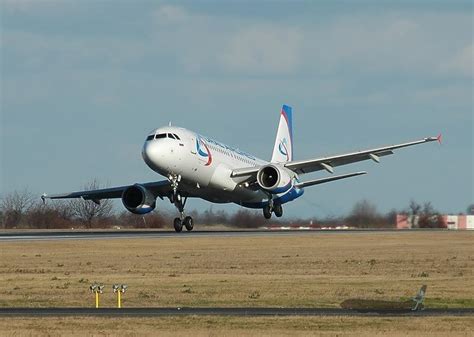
176 199
183 220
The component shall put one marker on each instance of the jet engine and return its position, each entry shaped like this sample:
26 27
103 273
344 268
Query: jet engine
274 179
138 200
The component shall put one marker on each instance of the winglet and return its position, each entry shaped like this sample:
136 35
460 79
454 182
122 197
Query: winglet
438 139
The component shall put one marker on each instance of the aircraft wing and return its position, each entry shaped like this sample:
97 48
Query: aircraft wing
329 162
159 189
328 179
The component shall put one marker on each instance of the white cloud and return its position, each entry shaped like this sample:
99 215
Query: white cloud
203 42
263 49
462 62
37 51
390 42
27 5
385 43
447 95
17 5
169 14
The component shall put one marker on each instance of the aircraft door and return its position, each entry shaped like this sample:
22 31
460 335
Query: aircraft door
193 146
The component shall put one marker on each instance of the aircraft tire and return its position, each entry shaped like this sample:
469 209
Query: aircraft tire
267 212
188 223
278 210
178 225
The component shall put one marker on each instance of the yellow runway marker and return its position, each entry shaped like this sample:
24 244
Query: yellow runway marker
97 289
119 289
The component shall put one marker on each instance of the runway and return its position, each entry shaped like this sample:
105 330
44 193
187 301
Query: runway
250 312
129 234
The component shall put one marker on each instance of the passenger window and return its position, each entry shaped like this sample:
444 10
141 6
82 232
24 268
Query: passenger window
161 135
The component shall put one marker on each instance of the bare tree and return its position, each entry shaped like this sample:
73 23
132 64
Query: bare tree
244 218
430 218
14 206
50 215
209 217
363 214
425 216
414 212
88 211
390 218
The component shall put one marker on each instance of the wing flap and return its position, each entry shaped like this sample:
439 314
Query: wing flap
329 179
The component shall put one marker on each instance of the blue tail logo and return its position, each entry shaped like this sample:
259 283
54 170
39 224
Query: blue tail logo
283 147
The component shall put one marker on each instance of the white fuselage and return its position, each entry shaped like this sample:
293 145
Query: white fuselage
205 166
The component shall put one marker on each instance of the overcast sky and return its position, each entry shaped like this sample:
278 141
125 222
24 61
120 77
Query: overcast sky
83 82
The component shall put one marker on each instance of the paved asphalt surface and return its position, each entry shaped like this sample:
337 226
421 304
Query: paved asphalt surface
125 234
151 312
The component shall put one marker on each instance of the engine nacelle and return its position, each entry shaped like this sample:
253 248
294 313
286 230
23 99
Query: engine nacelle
138 200
274 179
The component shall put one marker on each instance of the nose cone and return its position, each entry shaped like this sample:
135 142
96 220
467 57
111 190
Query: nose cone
152 154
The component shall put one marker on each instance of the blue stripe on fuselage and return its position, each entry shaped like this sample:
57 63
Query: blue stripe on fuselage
229 148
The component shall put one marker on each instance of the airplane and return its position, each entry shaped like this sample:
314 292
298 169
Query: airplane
200 167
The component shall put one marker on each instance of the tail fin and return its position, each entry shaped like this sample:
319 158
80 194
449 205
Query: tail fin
283 150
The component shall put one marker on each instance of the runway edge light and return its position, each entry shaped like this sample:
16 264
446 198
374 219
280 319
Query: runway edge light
97 289
119 289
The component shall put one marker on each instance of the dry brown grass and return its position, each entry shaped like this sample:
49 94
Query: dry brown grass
316 270
238 326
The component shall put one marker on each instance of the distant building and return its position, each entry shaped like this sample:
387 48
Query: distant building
452 221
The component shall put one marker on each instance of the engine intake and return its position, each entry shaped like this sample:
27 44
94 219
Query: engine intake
274 179
138 200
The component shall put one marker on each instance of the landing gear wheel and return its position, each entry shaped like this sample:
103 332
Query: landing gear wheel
188 223
267 212
178 225
278 210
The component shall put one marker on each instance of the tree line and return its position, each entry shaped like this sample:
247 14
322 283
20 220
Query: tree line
22 209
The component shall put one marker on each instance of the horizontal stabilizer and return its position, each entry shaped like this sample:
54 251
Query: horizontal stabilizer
329 179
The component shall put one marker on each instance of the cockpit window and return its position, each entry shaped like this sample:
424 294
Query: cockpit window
164 135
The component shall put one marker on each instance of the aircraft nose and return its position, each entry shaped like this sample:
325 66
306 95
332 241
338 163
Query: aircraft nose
151 153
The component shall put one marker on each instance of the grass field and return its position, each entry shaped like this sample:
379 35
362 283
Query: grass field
308 270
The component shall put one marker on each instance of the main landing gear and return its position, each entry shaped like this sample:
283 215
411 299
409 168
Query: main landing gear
180 203
187 222
272 207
